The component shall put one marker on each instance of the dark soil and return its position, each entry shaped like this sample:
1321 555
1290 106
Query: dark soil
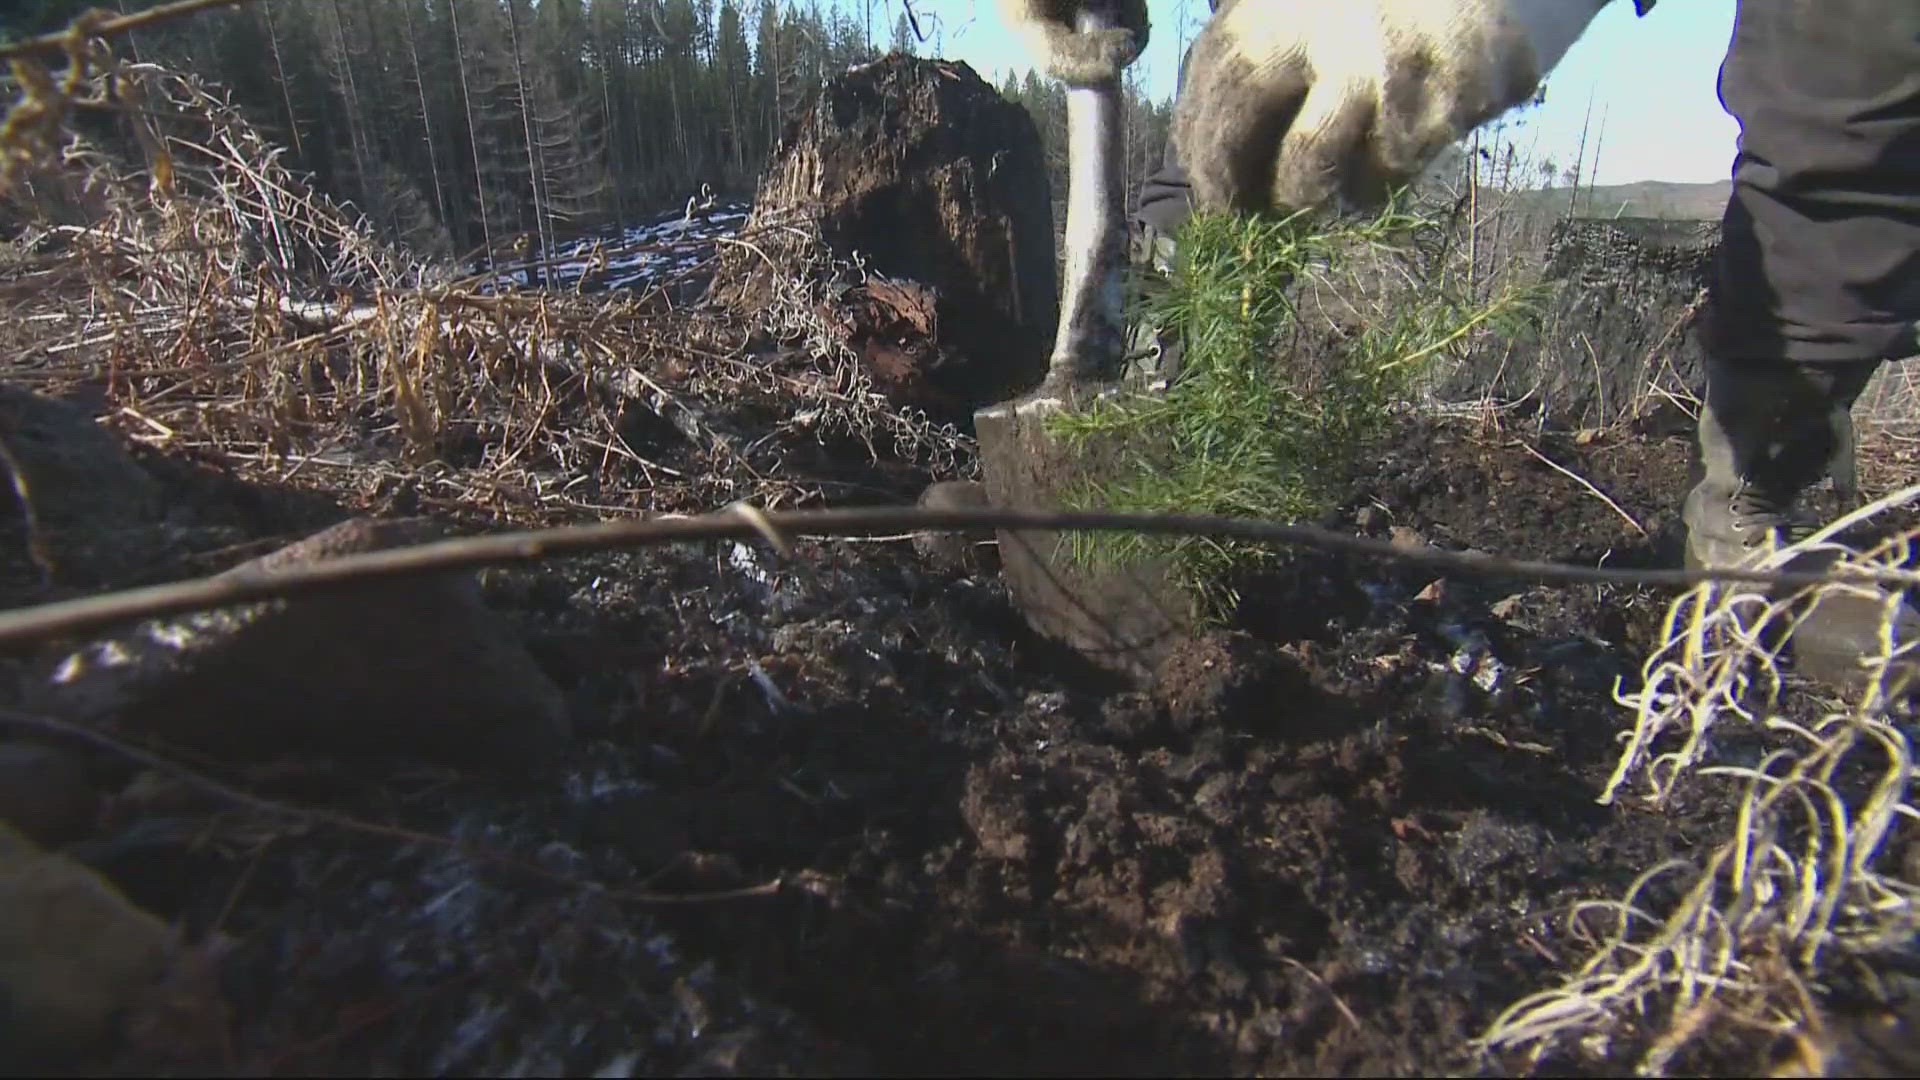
1338 837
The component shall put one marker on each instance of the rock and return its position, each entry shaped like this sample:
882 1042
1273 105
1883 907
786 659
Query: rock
1509 606
44 792
939 184
73 953
92 514
971 551
1406 538
415 666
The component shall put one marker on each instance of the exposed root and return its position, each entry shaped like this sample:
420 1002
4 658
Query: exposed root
1736 934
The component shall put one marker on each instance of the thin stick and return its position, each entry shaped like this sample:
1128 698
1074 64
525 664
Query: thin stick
31 626
1585 483
1331 993
58 40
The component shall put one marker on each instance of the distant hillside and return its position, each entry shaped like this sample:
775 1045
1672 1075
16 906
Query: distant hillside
1649 198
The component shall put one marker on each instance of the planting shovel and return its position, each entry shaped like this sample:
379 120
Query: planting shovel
1121 615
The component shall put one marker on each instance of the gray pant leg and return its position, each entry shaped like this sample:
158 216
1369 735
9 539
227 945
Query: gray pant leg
1166 196
1821 255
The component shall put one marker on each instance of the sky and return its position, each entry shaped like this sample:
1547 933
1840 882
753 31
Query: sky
1649 82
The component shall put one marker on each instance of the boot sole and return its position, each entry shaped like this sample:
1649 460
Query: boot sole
1840 630
1837 630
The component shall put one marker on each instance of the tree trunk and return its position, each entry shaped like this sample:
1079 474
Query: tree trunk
426 116
280 71
473 134
356 142
536 173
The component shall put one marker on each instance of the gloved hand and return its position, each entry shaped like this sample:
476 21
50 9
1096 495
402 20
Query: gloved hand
1288 103
1070 55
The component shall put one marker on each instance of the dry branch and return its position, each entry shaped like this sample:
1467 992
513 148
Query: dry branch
33 625
102 23
236 311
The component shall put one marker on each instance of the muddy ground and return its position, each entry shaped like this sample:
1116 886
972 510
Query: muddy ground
849 815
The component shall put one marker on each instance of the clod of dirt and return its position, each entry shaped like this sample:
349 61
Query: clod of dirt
90 513
44 792
995 805
1507 607
1872 1043
970 551
1231 678
1487 847
413 667
73 953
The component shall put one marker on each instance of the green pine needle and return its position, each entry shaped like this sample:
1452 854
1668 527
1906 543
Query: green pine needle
1262 419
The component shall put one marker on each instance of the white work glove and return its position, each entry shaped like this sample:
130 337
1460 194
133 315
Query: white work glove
1289 103
1050 30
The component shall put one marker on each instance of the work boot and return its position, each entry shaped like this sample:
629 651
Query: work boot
1153 350
1769 431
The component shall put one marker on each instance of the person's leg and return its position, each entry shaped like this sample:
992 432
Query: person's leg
1165 201
1818 275
1166 198
1769 430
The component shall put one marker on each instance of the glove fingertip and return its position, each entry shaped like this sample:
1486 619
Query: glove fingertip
1228 124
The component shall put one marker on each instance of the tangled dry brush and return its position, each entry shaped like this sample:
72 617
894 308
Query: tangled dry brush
156 238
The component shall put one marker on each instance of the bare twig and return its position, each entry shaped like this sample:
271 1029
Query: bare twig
1585 483
1338 1003
60 41
32 625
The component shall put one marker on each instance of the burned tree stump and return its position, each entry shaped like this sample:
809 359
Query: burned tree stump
1616 331
1633 290
939 185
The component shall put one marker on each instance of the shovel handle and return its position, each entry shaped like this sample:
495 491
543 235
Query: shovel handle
1088 343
